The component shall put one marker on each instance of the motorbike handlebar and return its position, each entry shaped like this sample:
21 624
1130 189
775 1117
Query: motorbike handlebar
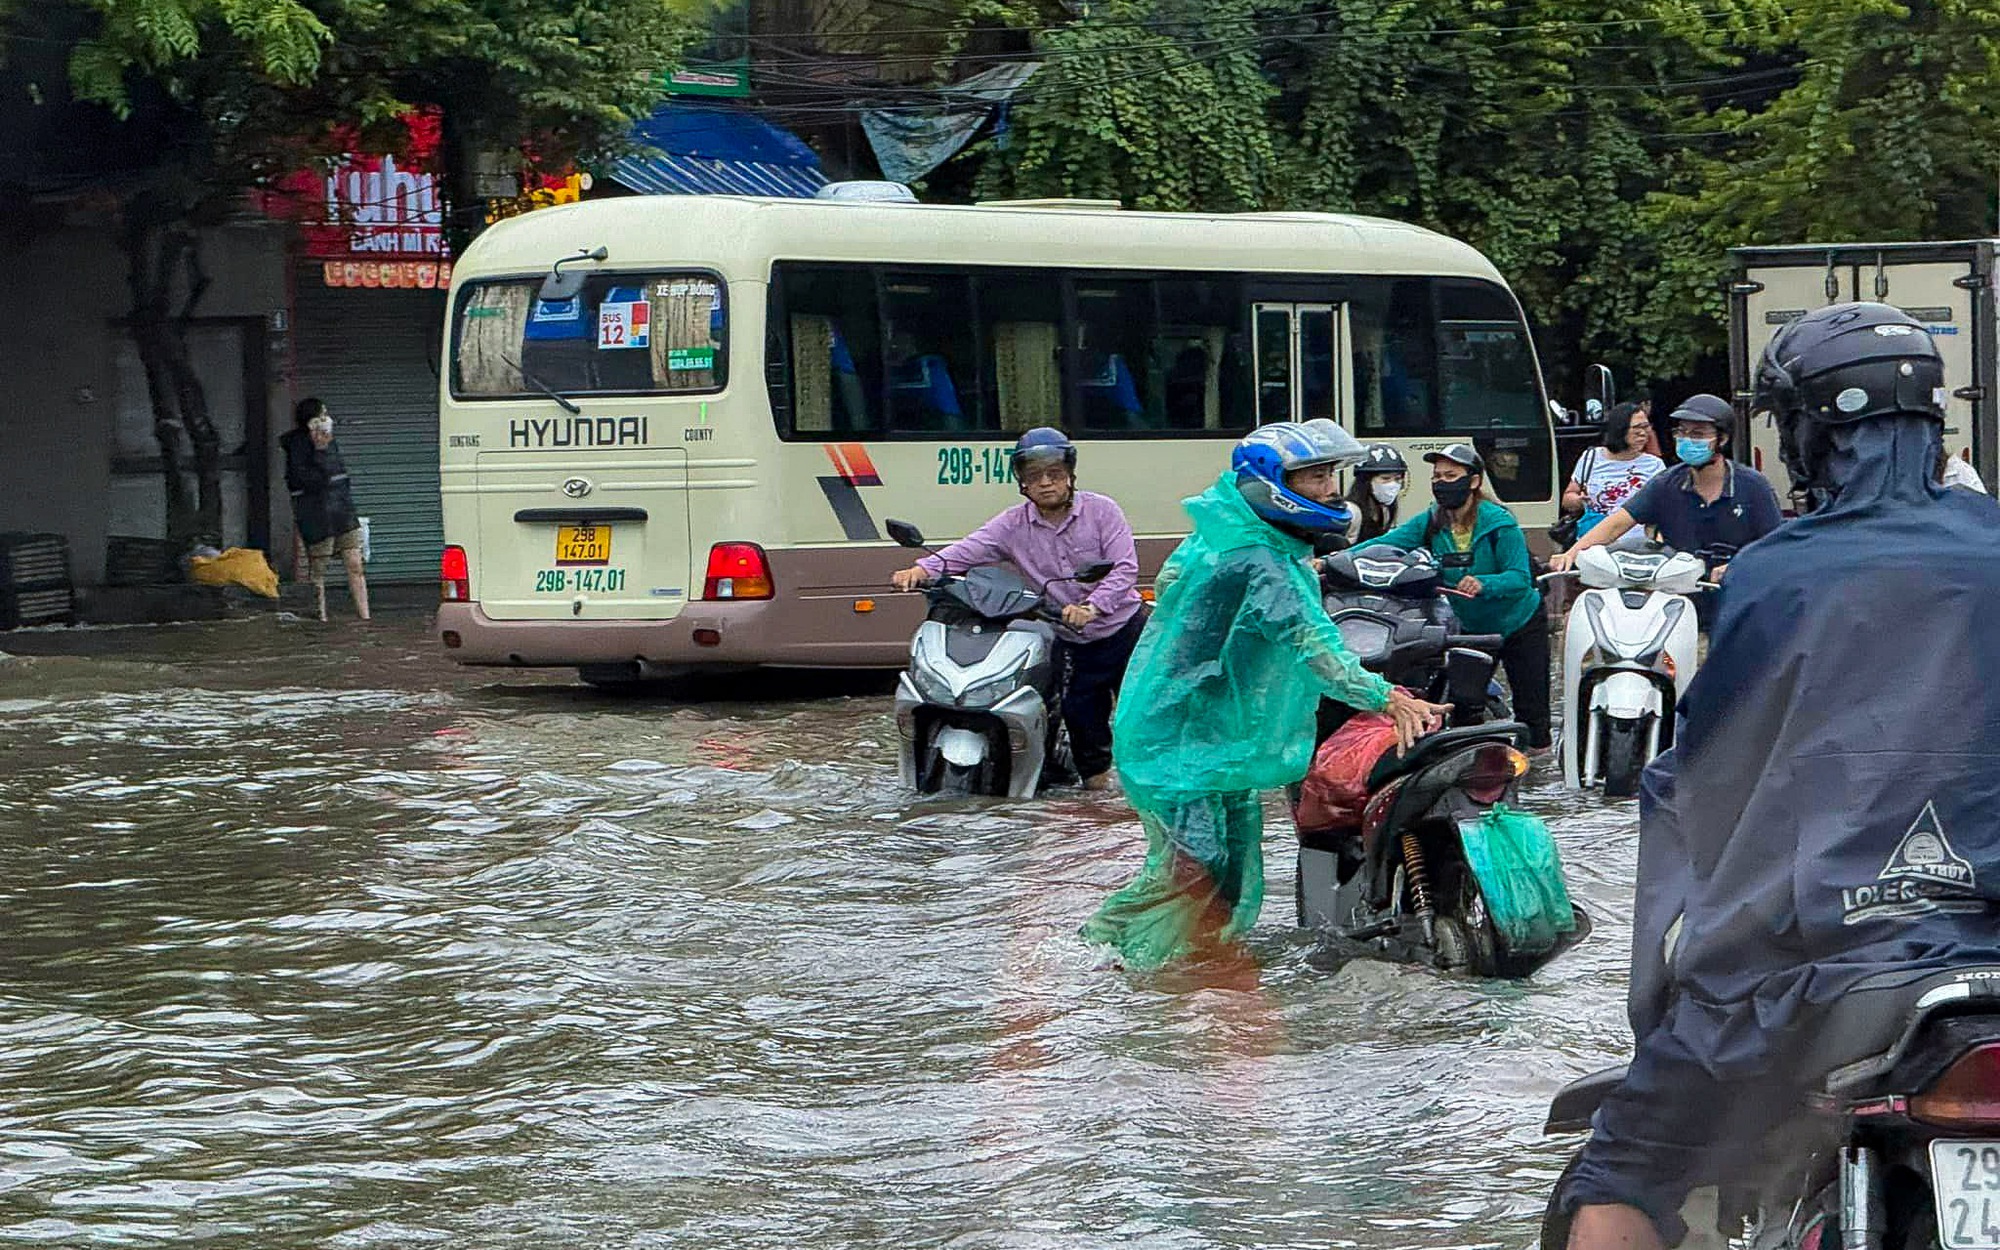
1549 577
1476 642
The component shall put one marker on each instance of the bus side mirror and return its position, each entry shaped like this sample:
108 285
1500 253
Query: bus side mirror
908 535
1599 392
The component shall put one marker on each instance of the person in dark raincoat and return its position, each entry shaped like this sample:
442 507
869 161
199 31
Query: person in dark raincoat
1827 811
1221 694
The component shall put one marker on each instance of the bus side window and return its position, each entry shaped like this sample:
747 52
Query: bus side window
1486 371
1201 356
1020 318
933 371
1112 337
835 358
1395 357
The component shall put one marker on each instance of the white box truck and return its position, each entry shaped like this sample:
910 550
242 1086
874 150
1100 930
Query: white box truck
1950 287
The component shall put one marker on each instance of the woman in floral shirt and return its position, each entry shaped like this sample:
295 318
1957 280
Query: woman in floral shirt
1608 475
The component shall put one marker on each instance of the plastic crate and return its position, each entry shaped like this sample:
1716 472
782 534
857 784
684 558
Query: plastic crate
35 587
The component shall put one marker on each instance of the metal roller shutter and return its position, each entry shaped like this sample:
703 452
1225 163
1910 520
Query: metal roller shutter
371 354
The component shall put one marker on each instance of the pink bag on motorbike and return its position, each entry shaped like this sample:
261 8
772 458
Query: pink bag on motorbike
1336 789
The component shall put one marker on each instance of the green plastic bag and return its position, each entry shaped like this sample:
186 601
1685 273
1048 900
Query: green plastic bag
1514 859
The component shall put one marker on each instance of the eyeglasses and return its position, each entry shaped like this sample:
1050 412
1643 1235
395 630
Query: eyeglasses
1706 433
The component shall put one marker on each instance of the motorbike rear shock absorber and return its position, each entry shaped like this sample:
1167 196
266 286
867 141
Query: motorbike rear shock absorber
1420 883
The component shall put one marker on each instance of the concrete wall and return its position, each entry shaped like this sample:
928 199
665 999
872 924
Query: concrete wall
60 354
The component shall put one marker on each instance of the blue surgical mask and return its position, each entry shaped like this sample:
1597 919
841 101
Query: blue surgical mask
1694 452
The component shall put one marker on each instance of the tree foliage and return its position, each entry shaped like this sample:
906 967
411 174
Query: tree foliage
231 93
1604 156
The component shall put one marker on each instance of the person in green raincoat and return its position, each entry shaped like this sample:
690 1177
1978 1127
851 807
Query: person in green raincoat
1220 696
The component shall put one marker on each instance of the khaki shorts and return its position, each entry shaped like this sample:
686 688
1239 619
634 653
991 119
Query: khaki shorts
338 545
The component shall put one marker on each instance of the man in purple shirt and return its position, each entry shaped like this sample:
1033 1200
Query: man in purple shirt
1057 532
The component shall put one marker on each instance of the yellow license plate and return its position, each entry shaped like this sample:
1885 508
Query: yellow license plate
583 544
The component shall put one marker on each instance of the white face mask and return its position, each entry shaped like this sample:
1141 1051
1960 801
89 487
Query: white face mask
1386 490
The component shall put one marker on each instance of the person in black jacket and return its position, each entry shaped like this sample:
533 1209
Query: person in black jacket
322 503
1826 810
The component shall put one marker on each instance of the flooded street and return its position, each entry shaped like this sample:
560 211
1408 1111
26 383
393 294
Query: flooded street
316 940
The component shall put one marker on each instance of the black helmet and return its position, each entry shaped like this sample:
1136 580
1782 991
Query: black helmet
1839 365
1707 410
1043 443
1382 458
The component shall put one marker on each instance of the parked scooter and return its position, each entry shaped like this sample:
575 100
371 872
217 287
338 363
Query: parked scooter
1898 1147
1417 878
974 707
1629 651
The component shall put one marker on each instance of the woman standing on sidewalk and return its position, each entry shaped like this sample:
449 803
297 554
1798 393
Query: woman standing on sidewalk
322 503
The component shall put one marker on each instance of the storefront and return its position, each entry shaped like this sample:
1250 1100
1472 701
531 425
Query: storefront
368 307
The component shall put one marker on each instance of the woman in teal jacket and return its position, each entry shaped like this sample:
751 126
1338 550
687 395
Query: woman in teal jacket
1485 560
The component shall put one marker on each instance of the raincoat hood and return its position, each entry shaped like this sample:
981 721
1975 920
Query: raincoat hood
1225 521
1887 461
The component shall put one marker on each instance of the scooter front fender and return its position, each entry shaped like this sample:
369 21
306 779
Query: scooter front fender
1628 695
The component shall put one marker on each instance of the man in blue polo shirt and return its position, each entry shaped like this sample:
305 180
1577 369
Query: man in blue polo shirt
1706 500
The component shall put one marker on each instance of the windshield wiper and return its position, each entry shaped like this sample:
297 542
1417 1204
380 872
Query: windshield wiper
567 403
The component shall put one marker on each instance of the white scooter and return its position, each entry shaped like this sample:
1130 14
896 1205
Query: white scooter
1629 651
974 707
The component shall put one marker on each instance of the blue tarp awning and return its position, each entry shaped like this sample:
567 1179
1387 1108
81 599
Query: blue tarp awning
712 149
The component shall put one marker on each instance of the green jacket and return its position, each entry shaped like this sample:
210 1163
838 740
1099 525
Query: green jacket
1508 597
1222 688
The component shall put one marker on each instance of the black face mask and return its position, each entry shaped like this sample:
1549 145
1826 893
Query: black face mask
1451 496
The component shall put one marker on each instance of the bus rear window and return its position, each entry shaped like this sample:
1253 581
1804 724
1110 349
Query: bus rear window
622 334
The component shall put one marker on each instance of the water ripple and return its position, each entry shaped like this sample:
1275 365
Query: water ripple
313 950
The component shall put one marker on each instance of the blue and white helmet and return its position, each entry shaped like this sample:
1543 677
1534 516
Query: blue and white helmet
1269 452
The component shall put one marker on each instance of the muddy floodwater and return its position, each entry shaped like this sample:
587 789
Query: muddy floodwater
312 939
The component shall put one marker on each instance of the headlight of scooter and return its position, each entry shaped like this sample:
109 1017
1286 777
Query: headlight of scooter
985 694
1365 636
930 685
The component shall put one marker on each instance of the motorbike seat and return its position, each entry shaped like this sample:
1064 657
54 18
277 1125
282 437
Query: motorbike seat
1864 1032
1861 1037
1436 746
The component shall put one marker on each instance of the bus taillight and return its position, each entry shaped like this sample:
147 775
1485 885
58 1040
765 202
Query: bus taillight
454 576
737 571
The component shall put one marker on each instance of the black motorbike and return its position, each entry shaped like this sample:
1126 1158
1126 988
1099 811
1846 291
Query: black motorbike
1401 881
1897 1147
